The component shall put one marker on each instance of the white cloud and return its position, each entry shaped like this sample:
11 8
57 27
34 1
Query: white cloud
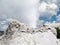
48 9
58 18
58 3
53 24
49 1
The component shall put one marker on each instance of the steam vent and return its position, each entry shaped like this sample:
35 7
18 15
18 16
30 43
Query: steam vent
13 32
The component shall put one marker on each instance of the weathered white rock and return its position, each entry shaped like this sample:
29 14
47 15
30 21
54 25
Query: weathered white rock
19 33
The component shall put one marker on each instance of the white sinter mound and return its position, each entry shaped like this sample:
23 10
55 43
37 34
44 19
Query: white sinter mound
17 33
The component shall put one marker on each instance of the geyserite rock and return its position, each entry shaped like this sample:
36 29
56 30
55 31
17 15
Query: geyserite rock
21 34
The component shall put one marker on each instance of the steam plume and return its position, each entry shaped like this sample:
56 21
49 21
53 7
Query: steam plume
24 10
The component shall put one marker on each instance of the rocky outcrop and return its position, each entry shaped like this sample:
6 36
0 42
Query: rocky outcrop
18 33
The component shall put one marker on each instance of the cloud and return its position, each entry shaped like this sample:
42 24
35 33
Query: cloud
58 3
24 10
48 9
27 10
58 18
50 1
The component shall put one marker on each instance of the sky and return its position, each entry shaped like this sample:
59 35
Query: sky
49 11
31 12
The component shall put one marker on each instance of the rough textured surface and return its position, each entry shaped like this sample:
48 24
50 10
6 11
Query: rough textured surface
18 33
